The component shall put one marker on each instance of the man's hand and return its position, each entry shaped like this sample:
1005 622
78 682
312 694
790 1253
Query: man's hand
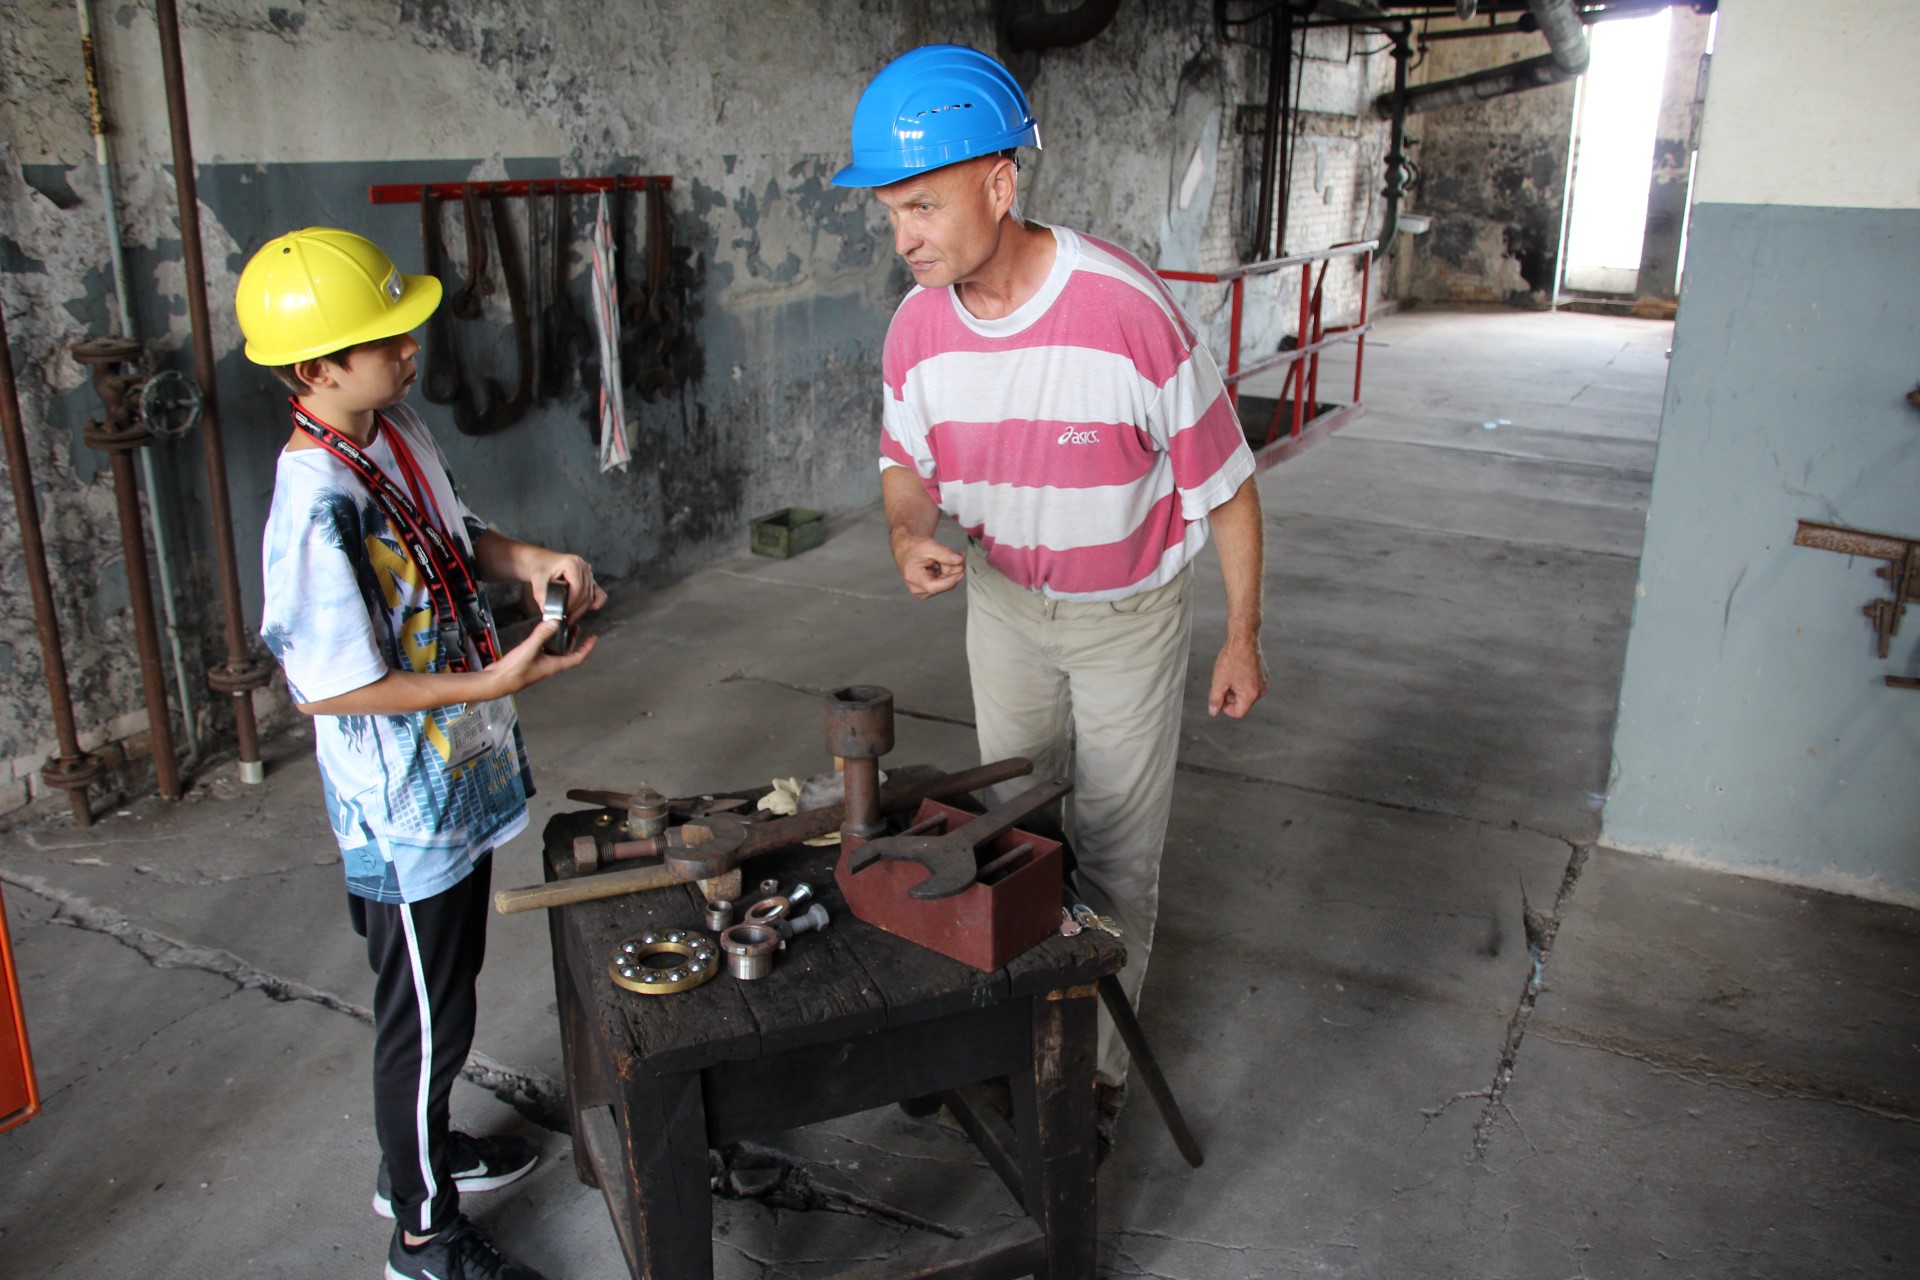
1239 678
928 566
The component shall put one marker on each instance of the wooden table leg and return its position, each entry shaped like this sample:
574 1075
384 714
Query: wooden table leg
1053 1110
581 1053
660 1197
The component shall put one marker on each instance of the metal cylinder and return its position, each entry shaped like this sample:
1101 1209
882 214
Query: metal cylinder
719 915
750 949
860 722
74 769
860 731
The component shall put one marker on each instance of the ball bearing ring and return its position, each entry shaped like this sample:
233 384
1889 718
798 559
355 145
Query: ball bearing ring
630 970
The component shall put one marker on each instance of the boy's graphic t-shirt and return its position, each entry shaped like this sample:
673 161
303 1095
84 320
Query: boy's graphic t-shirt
344 605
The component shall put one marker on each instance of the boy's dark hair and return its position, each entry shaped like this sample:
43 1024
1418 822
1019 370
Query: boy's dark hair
291 379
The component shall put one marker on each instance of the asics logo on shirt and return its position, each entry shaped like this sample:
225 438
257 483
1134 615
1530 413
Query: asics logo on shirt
1073 436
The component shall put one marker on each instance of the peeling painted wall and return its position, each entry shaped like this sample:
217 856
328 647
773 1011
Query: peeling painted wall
297 108
1675 137
1756 729
1492 177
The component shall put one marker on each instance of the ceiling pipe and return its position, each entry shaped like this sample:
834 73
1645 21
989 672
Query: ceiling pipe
1568 57
1566 35
1034 31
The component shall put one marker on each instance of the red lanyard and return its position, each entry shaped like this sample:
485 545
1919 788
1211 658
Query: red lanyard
416 480
449 578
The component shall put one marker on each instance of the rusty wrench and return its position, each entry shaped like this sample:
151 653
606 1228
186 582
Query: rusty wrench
951 860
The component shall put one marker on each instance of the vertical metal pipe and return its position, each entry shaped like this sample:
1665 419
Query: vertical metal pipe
239 672
1277 68
1360 343
75 768
1237 292
123 296
133 542
1306 325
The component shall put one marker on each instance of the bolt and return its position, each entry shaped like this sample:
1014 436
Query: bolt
813 919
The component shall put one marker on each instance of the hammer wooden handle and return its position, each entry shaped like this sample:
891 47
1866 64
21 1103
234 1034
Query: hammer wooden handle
606 884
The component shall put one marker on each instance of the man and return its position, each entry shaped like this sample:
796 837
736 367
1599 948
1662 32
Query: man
1044 390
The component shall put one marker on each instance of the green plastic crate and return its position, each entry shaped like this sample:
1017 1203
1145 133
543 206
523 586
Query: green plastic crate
788 532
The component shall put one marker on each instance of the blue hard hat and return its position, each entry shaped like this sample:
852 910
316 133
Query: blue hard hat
934 106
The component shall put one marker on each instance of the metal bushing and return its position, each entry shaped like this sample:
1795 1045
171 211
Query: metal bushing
750 949
697 962
860 722
719 915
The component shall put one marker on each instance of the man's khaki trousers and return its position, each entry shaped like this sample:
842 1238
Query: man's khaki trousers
1091 692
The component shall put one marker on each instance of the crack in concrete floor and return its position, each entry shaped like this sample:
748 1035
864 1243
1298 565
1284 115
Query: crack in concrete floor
533 1094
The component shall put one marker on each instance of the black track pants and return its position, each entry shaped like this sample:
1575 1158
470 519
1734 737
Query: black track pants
426 958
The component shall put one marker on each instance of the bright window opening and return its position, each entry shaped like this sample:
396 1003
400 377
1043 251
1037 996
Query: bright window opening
1613 154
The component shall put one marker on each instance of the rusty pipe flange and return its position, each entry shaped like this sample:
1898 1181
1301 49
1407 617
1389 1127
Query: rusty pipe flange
750 949
239 677
860 722
68 773
630 970
97 436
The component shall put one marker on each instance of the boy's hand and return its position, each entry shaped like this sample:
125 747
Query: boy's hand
526 664
583 595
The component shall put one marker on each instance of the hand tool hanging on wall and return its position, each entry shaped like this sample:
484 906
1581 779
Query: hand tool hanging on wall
567 338
468 301
441 382
661 318
502 411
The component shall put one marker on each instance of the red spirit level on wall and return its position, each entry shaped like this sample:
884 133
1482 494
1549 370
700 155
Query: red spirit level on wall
19 1091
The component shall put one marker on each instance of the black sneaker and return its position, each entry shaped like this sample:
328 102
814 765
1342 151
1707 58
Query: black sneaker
479 1164
461 1252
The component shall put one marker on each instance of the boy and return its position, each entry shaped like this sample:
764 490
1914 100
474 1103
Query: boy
373 609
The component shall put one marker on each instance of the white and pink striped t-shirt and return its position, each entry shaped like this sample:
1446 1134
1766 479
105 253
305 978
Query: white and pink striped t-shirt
1081 440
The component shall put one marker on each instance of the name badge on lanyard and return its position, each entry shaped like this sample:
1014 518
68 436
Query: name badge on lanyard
478 729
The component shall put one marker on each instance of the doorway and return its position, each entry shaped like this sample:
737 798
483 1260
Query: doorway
1614 135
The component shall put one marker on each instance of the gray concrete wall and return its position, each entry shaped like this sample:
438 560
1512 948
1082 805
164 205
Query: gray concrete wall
1493 179
1755 727
297 109
1675 137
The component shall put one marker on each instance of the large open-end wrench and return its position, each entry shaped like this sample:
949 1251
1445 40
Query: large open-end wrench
952 859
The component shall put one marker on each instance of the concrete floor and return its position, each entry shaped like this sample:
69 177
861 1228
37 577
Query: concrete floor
1684 1075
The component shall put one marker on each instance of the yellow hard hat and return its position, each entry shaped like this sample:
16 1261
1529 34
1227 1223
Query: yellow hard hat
313 292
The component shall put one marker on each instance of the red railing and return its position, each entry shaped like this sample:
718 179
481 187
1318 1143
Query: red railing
1299 409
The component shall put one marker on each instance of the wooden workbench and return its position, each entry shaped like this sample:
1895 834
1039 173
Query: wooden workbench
850 1019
